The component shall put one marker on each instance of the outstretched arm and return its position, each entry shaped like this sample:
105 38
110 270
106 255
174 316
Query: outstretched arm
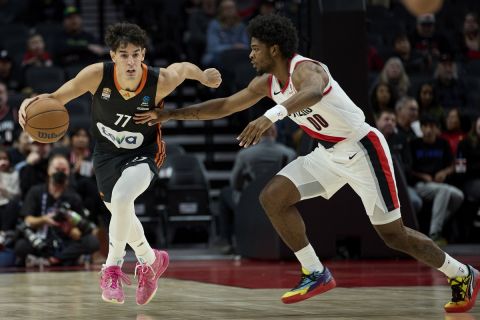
172 76
87 80
211 109
310 80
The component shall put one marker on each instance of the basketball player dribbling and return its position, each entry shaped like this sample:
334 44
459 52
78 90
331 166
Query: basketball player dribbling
127 155
349 151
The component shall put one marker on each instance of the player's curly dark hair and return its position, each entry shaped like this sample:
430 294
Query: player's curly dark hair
274 29
123 33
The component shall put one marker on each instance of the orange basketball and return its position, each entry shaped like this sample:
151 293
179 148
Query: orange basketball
419 7
46 120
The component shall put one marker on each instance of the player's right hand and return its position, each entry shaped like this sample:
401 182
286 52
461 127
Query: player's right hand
152 117
22 113
214 78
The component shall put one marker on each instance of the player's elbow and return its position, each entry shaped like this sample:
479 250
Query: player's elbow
315 93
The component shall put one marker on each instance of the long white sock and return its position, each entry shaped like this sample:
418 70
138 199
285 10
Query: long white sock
308 259
133 182
116 252
453 268
139 244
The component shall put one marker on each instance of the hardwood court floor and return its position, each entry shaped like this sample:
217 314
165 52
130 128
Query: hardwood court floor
56 295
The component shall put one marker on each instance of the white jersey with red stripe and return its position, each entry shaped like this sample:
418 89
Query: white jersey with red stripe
334 118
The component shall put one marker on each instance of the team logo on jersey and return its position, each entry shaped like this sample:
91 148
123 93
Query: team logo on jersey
145 101
122 139
106 92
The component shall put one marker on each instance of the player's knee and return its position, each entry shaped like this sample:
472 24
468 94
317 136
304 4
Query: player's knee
271 199
121 200
266 198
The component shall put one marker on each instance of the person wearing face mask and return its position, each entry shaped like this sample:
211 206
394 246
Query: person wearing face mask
54 226
34 168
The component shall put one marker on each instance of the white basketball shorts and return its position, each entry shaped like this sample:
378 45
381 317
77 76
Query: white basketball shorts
365 164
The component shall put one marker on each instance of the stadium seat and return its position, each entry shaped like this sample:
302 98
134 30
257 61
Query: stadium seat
173 149
44 79
187 195
72 71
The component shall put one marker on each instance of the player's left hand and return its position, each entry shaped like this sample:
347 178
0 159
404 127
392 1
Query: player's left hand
152 117
253 131
214 78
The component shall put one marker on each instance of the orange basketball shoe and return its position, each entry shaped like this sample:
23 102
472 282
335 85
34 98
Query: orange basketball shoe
310 285
148 276
464 291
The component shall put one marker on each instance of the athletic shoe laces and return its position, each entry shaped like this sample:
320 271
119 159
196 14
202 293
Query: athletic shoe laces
112 278
144 271
307 279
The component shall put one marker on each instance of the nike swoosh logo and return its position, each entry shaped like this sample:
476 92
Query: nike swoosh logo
351 157
275 93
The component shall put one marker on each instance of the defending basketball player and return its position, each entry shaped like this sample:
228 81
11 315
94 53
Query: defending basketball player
127 155
349 151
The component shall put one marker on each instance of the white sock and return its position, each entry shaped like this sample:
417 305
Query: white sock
116 252
308 259
453 268
143 251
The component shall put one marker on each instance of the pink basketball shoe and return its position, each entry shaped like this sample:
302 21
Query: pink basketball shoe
148 276
111 284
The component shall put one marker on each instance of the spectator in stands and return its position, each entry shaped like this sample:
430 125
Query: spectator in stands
412 60
9 127
394 74
9 206
382 98
399 148
82 180
469 151
33 170
428 102
374 60
81 155
469 40
450 88
36 54
249 164
10 11
264 7
19 150
198 21
432 163
426 40
7 75
456 128
225 32
9 179
45 11
253 161
55 212
75 46
406 111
